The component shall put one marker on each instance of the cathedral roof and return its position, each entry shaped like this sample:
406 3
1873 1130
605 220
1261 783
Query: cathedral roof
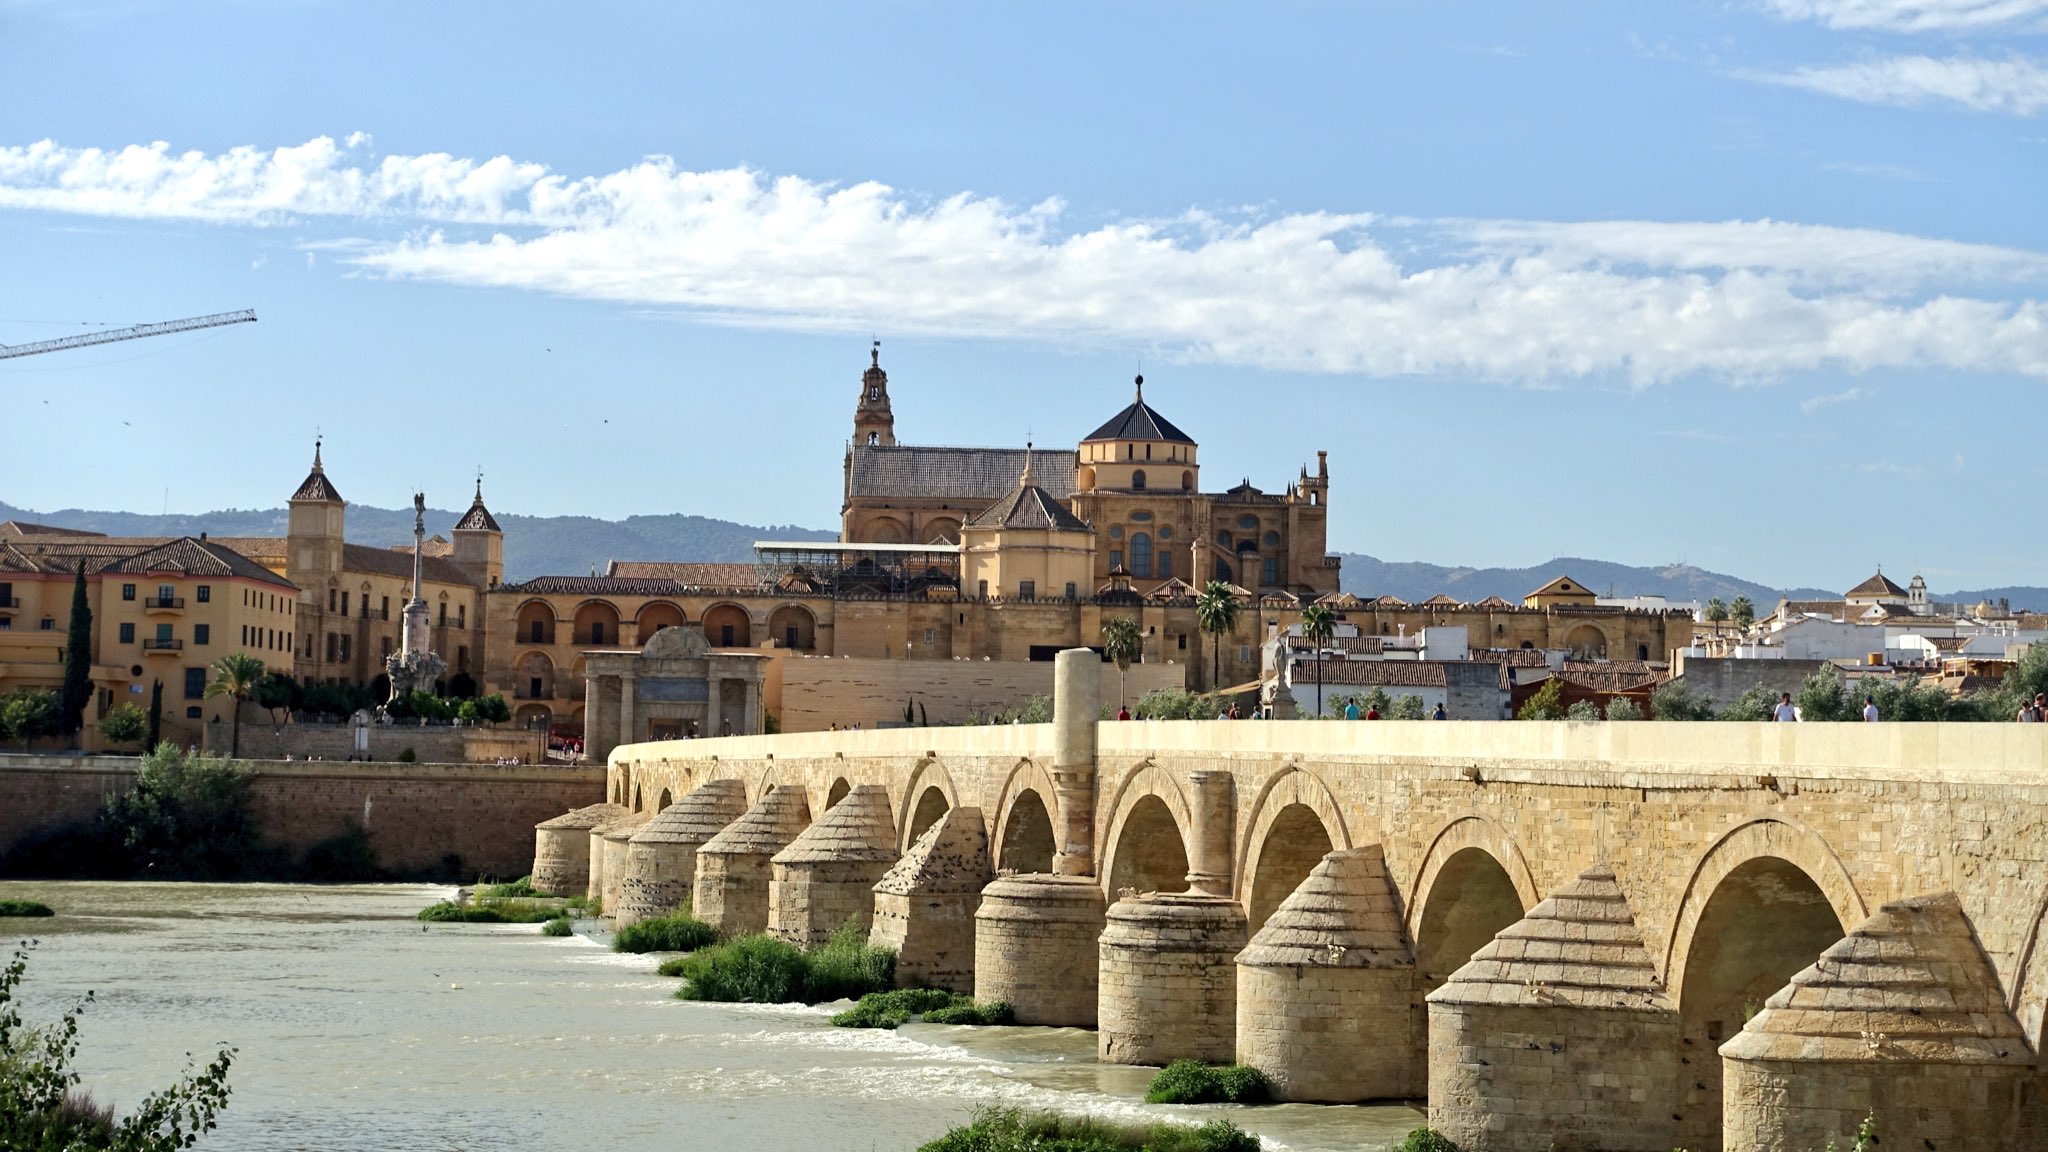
478 518
1139 422
316 486
971 476
1878 585
1029 507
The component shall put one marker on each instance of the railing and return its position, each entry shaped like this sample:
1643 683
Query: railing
9 602
156 603
155 645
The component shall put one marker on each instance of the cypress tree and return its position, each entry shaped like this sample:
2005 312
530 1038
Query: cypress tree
77 662
156 713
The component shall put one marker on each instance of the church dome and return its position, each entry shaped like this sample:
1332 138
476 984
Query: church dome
1139 421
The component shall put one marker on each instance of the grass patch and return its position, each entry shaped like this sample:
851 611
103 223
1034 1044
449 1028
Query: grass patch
993 1012
1193 1082
510 890
1426 1140
764 970
585 905
680 932
490 912
933 1006
1013 1130
559 926
25 908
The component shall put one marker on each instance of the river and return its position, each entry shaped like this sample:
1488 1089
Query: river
359 1028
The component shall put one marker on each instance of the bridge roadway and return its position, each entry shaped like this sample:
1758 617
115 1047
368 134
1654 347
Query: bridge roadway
1697 868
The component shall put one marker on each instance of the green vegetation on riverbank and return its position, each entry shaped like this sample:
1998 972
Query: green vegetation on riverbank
559 926
1193 1082
25 908
491 912
932 1005
1013 1130
512 889
678 932
764 970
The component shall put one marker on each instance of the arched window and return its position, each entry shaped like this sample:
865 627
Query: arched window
874 439
1141 555
1187 481
1138 478
1272 540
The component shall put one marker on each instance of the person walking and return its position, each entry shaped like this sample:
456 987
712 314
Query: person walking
1786 710
1439 714
1123 713
1351 710
1372 713
1870 709
2034 711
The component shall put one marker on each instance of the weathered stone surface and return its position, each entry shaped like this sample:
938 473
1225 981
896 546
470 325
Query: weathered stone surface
661 859
1904 1019
1036 948
608 843
1560 1028
731 890
1167 989
561 848
924 905
1326 989
826 877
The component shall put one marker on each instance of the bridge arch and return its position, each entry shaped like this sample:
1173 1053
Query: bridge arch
834 794
2029 995
1295 821
1763 903
1027 810
929 795
1145 846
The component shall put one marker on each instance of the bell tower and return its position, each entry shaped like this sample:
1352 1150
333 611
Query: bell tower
873 425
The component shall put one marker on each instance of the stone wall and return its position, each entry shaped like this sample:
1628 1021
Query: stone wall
461 819
821 691
1723 679
430 744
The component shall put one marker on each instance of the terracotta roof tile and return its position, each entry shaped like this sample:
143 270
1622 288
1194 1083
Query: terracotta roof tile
699 574
1030 508
969 477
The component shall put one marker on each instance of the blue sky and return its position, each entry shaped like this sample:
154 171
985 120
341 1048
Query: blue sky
1758 284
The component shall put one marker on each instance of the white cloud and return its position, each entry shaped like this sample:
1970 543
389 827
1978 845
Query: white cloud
1522 301
1918 15
1815 403
2012 85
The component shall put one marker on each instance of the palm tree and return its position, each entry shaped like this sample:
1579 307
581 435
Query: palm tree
236 675
1318 623
1743 611
1716 611
1216 612
1121 642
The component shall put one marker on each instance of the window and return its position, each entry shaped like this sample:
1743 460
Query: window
1271 540
981 589
384 607
874 439
1141 515
1248 523
789 635
1223 539
533 688
1141 555
597 632
49 624
127 591
193 713
1183 641
1116 531
534 633
195 683
1116 557
1166 531
205 594
366 604
1138 478
1269 571
931 635
128 633
462 615
1187 481
462 658
163 634
1027 589
330 599
1244 653
1072 592
725 630
344 646
202 634
1165 562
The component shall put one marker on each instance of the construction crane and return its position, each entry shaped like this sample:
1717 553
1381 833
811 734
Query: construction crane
168 327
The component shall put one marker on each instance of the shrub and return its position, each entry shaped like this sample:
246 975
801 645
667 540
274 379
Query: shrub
125 724
680 932
673 966
490 912
407 756
508 890
25 908
188 818
1674 701
344 857
750 969
993 1012
1623 708
559 926
889 1009
1546 704
1012 1130
1582 710
846 968
1193 1082
1426 1140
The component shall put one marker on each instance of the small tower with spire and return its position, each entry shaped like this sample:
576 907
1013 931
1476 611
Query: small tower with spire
313 530
873 424
480 543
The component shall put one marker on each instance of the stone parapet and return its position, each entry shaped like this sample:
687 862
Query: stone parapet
1036 948
1167 989
826 877
1904 1020
661 859
924 905
561 848
1326 989
733 869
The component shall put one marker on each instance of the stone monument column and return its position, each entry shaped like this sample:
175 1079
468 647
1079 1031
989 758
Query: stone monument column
628 697
1209 868
1076 711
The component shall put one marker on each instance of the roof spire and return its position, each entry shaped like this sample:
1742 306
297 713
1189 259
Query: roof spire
1141 387
479 485
1025 480
316 452
875 354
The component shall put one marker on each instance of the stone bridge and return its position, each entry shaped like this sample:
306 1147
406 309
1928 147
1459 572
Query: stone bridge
1593 935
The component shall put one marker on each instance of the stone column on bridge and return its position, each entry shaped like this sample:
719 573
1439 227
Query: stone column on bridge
628 691
1325 983
1077 710
1903 1018
1210 813
924 907
733 869
661 859
1557 1034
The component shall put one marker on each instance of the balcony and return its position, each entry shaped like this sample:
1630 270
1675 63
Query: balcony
9 605
164 604
162 646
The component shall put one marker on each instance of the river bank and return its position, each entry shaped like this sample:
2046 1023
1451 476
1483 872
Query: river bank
361 1028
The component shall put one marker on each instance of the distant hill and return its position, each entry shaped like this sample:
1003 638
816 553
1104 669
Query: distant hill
574 545
534 545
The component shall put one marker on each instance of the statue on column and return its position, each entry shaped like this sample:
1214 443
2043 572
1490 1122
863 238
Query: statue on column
415 667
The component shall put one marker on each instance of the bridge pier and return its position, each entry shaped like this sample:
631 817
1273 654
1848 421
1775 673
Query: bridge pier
1324 984
661 859
608 846
924 906
1036 948
1903 1020
826 877
561 848
1557 1033
1168 988
733 869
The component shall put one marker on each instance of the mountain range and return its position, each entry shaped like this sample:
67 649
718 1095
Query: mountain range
574 545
